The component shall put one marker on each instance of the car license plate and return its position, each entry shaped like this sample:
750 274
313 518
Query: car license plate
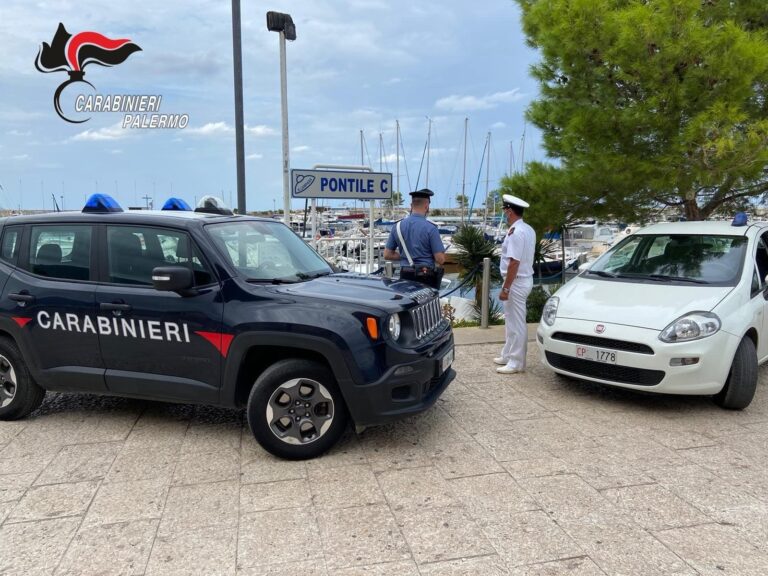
446 361
596 354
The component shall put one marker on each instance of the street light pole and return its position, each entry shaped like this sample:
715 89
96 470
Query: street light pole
237 54
283 24
284 109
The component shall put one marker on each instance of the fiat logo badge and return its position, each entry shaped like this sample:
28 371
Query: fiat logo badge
599 328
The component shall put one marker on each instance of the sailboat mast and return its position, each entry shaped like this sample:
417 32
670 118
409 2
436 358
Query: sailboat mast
362 162
429 138
464 177
487 176
397 144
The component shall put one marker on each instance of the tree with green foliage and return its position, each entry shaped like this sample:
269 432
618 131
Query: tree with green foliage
647 104
394 202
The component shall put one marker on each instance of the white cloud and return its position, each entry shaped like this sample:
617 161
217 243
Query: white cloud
260 130
211 129
457 103
114 132
222 128
19 133
255 156
392 81
299 148
498 125
116 151
20 157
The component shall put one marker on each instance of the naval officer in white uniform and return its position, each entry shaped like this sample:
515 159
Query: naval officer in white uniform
517 271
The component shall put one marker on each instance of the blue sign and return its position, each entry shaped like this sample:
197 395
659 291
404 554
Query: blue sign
338 184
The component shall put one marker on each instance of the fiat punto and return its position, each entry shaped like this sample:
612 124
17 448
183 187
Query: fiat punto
676 308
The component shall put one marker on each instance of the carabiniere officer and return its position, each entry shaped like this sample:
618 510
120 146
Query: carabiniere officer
421 239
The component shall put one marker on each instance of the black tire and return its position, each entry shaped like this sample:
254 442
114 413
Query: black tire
19 393
273 414
740 387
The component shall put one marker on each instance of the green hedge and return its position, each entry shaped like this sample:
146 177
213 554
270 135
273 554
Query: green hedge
536 300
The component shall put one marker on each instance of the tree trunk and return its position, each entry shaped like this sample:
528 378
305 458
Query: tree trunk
692 211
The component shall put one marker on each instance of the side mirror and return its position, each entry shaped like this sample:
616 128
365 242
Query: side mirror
173 279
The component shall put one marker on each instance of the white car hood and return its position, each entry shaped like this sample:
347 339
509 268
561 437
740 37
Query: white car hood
644 305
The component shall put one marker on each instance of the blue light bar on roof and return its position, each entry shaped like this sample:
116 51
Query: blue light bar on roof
176 204
101 203
740 219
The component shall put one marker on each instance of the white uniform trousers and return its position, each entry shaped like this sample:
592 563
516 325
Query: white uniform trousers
516 344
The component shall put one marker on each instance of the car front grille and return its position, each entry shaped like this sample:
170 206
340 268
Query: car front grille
611 372
603 342
427 318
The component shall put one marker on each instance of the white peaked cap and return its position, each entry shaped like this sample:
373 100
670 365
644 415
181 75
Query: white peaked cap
514 201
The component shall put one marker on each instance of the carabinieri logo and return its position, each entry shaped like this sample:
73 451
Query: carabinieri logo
73 53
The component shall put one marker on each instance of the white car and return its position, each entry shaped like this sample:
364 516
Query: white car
676 308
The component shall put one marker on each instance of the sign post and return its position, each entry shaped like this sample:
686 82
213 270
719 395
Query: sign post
343 182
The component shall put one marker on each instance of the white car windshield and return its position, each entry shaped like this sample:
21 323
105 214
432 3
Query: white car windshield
267 251
678 258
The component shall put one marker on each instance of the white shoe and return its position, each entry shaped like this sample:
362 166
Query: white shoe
508 370
501 361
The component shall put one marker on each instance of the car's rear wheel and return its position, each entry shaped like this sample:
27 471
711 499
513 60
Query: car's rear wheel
295 409
19 393
740 387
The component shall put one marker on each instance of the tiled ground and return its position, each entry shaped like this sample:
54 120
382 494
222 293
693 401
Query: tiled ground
522 475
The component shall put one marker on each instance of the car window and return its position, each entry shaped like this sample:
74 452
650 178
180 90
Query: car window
755 287
266 251
9 251
134 251
60 251
690 258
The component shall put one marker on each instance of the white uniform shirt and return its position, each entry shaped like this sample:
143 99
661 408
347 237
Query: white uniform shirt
519 244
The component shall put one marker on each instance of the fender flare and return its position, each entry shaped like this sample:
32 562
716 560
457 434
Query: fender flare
244 342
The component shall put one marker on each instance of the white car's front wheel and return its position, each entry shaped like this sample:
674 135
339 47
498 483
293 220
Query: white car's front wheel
740 387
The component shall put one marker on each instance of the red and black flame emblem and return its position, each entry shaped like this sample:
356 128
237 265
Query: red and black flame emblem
73 53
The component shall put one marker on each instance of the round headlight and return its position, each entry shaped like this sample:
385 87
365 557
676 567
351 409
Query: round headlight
692 326
549 313
393 326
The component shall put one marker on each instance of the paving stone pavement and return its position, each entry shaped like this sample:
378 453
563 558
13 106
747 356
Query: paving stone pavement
521 475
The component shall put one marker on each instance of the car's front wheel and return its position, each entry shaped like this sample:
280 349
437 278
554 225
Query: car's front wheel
19 393
740 387
295 409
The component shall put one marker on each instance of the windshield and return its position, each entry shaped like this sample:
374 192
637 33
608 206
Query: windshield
267 251
690 259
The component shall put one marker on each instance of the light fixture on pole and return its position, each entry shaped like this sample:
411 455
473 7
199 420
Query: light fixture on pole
283 23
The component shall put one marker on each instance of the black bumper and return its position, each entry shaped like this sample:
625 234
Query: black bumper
397 394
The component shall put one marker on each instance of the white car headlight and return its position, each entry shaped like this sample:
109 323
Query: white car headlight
393 326
549 313
692 326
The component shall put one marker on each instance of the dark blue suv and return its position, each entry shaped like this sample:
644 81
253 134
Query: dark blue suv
212 308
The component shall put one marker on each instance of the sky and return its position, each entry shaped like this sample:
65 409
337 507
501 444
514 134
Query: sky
356 65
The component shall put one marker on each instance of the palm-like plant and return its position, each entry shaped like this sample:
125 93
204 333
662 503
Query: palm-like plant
473 247
545 249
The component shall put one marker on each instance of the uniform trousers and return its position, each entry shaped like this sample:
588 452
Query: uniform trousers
516 329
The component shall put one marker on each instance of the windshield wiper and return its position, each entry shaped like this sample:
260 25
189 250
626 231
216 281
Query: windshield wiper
304 276
271 281
603 273
667 278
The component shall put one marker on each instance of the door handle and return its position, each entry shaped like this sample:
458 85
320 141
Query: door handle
21 297
114 307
